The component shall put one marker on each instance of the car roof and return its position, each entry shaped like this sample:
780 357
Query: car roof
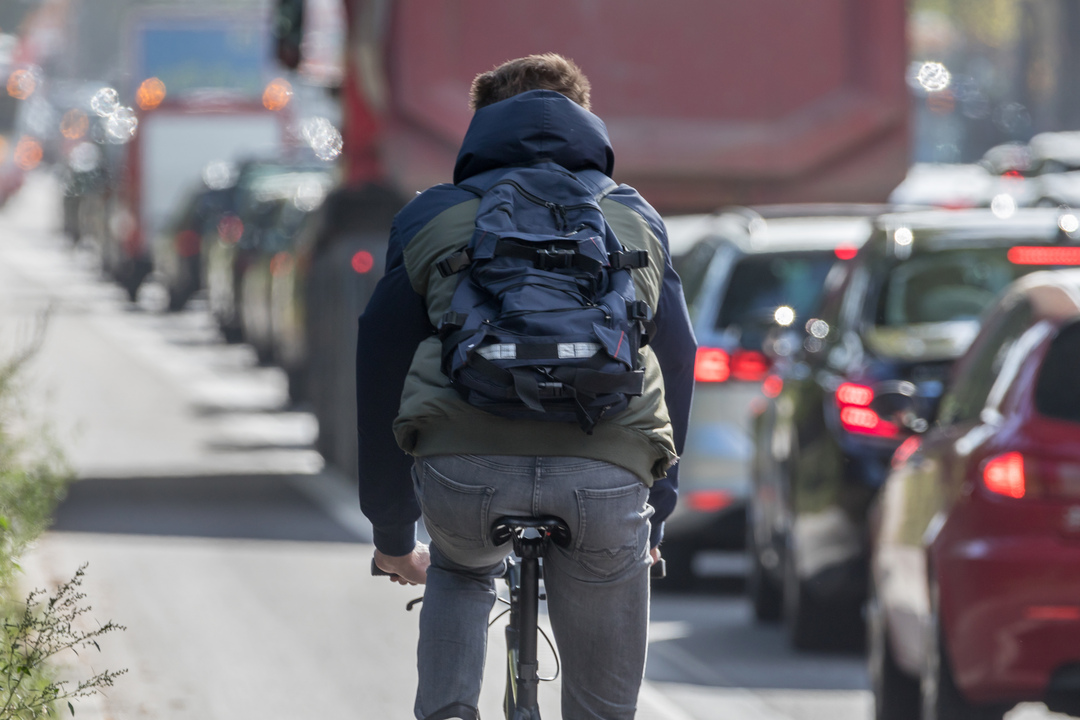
981 226
1053 294
777 228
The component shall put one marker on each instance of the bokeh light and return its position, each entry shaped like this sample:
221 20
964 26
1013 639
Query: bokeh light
325 139
1069 223
219 175
28 153
277 94
363 261
105 101
21 84
934 77
74 124
784 316
121 125
84 157
903 236
1003 206
150 94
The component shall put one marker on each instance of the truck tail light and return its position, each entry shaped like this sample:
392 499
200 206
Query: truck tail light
1039 255
856 416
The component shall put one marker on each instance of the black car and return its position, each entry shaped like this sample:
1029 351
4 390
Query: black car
870 373
748 274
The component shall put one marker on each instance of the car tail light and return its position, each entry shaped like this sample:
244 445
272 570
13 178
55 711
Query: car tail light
711 365
1017 475
362 262
772 386
907 448
749 365
846 252
1004 475
716 365
708 500
856 416
230 228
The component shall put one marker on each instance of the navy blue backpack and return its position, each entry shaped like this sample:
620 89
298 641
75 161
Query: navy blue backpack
544 323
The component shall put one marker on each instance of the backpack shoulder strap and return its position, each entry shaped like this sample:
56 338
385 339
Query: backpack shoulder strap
600 184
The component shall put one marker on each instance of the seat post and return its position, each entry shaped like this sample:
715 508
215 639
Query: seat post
529 549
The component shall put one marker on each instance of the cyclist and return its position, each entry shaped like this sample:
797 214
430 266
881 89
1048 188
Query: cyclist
613 487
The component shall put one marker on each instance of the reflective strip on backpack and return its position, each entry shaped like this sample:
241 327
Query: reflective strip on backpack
563 351
499 351
578 350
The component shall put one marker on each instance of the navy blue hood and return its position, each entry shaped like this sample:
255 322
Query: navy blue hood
535 125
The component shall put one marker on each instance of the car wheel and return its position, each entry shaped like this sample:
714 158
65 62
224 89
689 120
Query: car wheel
818 623
678 565
896 694
800 616
766 595
941 698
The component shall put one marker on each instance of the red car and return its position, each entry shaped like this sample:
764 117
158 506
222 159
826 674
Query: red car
975 598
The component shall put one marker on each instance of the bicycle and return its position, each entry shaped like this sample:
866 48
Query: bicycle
531 537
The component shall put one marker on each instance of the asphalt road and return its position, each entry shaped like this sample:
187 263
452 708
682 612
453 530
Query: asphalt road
239 563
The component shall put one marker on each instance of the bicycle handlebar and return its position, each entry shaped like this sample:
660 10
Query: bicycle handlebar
657 571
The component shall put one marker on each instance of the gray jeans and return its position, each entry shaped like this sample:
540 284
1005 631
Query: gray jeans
597 589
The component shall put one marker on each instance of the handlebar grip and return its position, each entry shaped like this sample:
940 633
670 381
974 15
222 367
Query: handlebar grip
377 571
658 570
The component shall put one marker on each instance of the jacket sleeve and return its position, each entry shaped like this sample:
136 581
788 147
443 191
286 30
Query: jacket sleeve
392 325
675 346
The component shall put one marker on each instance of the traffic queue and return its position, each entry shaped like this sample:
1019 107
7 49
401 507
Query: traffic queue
884 425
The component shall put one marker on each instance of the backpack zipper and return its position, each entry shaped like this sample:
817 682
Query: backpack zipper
558 211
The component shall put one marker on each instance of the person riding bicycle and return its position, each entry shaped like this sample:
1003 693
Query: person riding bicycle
423 448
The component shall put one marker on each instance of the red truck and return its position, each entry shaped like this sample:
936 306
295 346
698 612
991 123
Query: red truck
707 104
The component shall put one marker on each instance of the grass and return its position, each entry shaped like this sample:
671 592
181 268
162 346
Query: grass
42 628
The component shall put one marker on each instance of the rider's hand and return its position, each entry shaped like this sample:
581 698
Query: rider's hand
408 569
654 555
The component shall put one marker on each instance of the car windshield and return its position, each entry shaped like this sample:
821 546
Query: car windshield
945 286
762 283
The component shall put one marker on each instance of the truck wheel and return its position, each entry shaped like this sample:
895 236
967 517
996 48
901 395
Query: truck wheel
896 694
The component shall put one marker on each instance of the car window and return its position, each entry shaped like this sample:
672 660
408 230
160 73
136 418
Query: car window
693 268
944 286
1057 391
761 283
974 376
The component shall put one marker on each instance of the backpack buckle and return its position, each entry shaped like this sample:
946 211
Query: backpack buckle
549 259
455 262
629 259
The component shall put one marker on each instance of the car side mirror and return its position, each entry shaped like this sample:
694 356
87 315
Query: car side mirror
898 403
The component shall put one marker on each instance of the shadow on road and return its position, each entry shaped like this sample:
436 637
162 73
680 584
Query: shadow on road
258 507
708 637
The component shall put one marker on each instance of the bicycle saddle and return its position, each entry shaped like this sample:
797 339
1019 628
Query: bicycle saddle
549 526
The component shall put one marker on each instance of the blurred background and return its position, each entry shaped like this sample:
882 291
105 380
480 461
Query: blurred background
195 199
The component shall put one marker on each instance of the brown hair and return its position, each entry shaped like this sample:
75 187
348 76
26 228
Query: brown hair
533 72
